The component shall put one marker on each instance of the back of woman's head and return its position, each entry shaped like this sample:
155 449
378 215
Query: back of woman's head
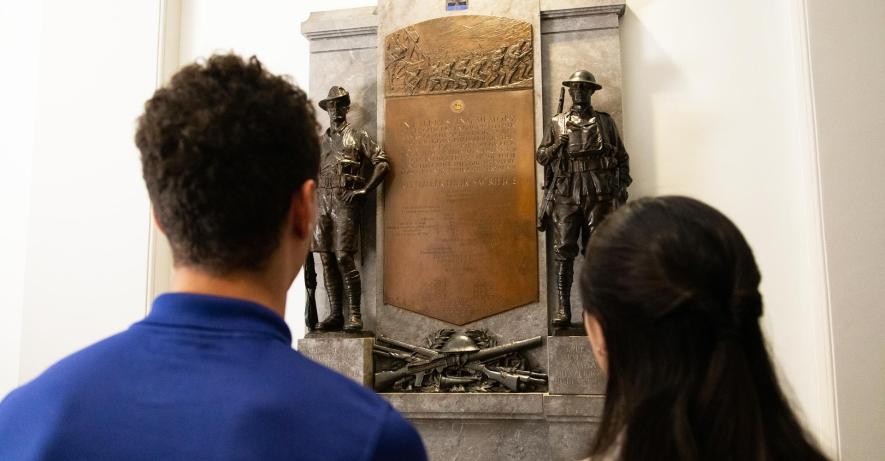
674 286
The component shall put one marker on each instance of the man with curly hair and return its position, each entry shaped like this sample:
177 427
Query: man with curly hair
230 157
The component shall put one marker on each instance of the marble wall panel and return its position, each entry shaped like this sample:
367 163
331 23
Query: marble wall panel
502 426
448 440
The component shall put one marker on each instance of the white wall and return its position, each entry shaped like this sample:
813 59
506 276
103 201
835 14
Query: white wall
270 30
87 212
19 45
75 229
714 108
848 69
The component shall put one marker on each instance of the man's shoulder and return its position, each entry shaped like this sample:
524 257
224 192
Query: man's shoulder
329 389
324 380
33 412
86 364
341 409
397 439
280 396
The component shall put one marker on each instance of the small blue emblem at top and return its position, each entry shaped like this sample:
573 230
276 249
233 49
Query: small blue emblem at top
456 5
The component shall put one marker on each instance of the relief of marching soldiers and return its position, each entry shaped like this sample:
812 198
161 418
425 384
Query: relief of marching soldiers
410 71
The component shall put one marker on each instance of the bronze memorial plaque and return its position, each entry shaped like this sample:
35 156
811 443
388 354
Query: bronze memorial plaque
460 242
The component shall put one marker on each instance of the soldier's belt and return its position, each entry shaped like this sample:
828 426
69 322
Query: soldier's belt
588 164
345 181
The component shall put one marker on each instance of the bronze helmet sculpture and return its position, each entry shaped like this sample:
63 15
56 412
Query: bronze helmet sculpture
460 342
581 76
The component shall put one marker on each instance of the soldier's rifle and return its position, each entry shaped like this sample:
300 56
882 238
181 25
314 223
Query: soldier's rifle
510 379
418 362
548 170
561 100
393 353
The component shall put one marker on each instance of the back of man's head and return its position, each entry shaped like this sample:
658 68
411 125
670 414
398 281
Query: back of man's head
224 146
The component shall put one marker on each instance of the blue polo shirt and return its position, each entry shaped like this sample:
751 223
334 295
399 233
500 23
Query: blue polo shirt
200 378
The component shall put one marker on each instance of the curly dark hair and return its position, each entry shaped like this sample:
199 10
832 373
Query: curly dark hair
223 147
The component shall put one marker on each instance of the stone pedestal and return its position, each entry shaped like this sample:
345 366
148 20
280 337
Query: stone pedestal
572 369
502 426
352 357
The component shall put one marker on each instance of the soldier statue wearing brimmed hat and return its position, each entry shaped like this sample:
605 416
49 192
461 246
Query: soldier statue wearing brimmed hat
586 174
342 190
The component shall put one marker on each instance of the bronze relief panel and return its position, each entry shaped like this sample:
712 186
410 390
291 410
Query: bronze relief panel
460 237
462 53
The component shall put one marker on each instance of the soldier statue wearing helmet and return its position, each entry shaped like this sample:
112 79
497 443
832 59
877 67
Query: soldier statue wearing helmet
342 189
586 174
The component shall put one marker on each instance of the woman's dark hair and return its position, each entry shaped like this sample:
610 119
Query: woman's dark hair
674 286
223 147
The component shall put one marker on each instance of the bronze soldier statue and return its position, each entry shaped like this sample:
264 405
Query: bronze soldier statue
586 174
342 190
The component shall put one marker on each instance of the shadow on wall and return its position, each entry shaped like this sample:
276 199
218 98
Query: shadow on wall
647 73
362 116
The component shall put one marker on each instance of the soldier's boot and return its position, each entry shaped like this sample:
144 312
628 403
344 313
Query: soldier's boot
335 320
310 283
564 275
352 288
310 310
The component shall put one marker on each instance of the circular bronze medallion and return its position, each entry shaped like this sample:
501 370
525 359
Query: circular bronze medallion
457 106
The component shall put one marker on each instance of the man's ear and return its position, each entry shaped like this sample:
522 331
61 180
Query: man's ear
303 209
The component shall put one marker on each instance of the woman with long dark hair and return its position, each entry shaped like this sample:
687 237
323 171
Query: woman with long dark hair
672 310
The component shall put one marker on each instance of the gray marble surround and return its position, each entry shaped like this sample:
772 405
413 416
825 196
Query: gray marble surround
574 34
502 426
572 370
